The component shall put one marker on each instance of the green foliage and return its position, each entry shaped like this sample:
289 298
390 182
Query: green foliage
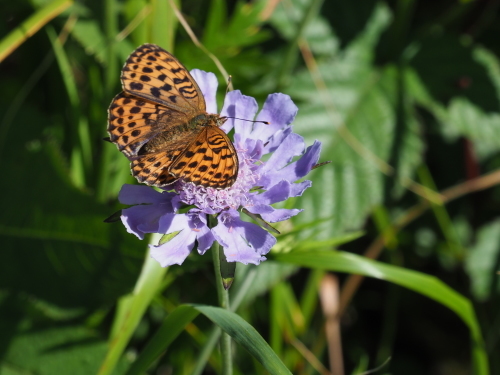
481 262
405 99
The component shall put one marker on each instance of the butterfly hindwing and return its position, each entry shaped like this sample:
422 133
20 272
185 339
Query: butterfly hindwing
210 160
152 169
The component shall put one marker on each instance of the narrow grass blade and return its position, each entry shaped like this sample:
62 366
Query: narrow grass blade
241 332
426 285
29 27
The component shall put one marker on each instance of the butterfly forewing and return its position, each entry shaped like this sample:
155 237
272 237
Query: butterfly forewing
161 125
154 74
132 122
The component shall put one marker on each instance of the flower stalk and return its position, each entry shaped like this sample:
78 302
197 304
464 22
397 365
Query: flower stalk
223 295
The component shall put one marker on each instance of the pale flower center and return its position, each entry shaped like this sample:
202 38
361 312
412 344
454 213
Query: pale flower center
207 198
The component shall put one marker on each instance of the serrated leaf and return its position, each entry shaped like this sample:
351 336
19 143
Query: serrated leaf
467 120
318 32
481 261
347 188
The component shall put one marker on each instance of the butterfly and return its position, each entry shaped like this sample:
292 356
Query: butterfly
159 122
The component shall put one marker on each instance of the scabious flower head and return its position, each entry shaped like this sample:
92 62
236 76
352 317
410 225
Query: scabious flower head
258 186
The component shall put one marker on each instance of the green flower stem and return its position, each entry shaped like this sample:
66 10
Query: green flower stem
225 343
213 337
223 294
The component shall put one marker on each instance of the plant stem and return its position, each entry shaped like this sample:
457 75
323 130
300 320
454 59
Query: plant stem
213 337
223 294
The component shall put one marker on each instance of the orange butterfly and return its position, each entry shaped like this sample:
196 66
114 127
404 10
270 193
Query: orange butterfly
160 123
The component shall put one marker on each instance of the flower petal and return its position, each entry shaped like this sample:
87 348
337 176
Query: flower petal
208 85
297 189
178 248
243 242
142 219
291 146
240 106
279 110
175 251
271 214
280 214
139 194
252 149
276 139
293 171
277 193
309 160
198 223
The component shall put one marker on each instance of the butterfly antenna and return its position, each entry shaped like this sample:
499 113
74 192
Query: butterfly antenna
229 80
242 119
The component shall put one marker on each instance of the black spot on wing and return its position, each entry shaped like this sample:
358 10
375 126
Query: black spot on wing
136 86
178 81
155 91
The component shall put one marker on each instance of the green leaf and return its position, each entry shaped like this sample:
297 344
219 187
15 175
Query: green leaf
407 147
241 30
358 104
74 258
171 327
241 332
264 277
464 119
426 285
162 24
131 309
481 261
307 245
138 14
81 156
318 32
56 350
90 36
29 27
245 335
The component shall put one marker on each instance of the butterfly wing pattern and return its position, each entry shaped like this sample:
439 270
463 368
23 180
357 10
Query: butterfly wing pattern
160 123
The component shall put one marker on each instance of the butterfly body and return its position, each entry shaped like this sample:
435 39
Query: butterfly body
160 123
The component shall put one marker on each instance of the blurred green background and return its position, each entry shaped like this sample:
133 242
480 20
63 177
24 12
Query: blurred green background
404 95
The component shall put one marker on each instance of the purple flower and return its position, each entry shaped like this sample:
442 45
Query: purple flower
274 178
